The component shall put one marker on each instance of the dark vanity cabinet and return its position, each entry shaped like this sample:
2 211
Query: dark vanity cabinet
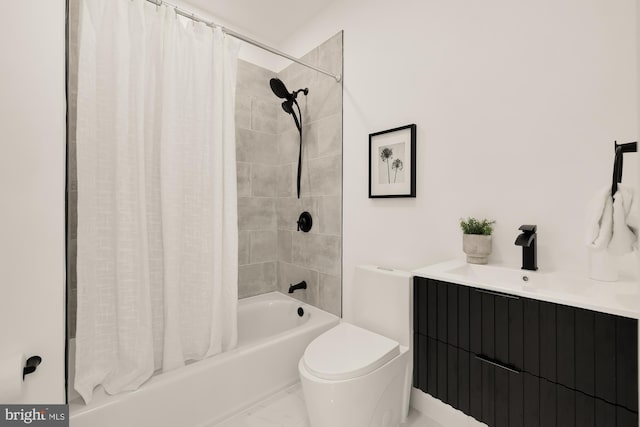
510 361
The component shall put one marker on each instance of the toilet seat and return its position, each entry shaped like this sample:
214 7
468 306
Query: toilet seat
347 352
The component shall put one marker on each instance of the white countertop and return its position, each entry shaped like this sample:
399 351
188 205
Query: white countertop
620 298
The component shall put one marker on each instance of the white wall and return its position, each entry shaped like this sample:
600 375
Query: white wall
247 52
32 177
517 105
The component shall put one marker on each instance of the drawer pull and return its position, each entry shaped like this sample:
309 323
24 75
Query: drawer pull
497 364
497 294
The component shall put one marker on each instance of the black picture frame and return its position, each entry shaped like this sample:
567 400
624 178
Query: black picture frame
392 162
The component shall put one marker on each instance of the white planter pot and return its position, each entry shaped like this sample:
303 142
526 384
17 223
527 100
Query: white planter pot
477 247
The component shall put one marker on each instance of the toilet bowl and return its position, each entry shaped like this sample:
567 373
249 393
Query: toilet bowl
359 374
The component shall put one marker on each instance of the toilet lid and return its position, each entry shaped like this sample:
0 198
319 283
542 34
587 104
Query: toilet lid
348 351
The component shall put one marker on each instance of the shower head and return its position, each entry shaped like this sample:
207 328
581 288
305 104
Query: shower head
279 89
287 107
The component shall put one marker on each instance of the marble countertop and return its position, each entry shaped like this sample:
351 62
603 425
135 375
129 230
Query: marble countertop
620 298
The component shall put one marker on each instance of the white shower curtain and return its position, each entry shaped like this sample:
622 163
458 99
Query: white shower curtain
157 206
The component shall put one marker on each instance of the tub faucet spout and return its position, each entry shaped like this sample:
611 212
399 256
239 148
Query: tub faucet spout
301 285
528 240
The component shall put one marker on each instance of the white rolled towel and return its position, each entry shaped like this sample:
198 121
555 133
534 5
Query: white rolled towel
600 220
625 222
612 224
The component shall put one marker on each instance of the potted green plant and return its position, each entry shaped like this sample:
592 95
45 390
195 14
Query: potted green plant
476 240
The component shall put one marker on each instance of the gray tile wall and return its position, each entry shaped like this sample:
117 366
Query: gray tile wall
315 256
258 175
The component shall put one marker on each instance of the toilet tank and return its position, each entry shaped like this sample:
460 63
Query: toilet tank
382 302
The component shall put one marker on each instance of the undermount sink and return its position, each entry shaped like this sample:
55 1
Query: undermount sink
502 276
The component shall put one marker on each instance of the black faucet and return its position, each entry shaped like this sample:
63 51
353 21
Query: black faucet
528 241
301 285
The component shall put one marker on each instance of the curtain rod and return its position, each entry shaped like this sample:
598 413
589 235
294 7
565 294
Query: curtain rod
244 38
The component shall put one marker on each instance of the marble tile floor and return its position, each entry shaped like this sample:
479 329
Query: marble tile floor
287 409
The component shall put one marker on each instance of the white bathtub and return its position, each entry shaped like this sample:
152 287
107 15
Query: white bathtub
271 340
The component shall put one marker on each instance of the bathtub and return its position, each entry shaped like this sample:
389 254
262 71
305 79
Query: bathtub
271 339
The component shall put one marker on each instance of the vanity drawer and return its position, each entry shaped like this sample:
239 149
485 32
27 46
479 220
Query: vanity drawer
593 353
478 321
472 384
502 397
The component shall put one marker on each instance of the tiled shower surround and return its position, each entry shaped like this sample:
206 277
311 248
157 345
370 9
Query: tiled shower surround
273 254
257 166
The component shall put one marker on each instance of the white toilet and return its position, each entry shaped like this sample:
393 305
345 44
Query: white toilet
359 374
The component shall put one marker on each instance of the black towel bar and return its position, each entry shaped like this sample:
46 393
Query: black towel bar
31 365
620 149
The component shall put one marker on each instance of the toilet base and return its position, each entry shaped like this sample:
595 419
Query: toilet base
378 399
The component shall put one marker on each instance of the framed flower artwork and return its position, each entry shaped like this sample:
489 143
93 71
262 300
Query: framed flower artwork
392 162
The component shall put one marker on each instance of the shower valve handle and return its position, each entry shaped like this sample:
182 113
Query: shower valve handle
305 222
